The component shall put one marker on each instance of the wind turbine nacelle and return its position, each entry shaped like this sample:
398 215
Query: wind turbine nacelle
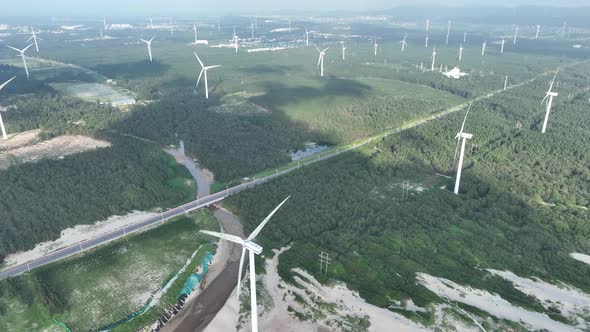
552 94
253 247
466 135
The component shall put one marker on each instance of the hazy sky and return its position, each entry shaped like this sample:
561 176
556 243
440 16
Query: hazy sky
104 7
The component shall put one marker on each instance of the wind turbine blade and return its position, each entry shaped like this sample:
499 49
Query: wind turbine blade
6 83
211 67
461 131
33 36
465 118
325 50
240 273
201 62
316 47
544 99
228 237
145 41
26 48
263 223
152 38
200 75
553 80
14 48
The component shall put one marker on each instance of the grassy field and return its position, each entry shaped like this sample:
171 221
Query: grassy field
105 285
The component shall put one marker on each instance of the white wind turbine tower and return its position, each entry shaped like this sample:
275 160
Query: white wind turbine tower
483 48
537 34
465 37
448 33
433 58
253 248
505 83
563 30
515 35
204 71
460 52
549 99
252 29
375 47
104 22
2 122
195 31
426 42
235 40
321 60
502 47
307 37
403 42
149 46
462 138
427 25
22 55
34 38
101 34
343 51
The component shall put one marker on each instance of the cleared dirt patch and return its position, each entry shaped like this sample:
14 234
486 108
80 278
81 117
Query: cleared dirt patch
25 148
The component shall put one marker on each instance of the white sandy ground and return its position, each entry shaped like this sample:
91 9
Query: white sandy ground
491 303
54 148
76 234
571 302
581 257
277 318
18 140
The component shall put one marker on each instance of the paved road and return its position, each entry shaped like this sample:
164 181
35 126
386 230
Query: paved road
205 201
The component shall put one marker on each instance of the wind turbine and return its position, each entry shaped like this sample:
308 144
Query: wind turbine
537 34
104 22
22 55
101 34
307 37
253 248
343 51
375 47
151 23
502 47
149 46
448 32
426 43
462 138
235 40
2 122
515 35
34 38
252 28
433 58
505 83
483 48
403 42
563 30
465 37
460 52
204 71
427 25
321 60
549 99
196 36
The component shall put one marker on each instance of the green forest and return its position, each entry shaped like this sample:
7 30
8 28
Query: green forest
91 186
351 206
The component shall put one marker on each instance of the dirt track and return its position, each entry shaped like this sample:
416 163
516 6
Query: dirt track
201 310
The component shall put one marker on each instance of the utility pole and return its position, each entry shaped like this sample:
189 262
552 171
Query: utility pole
324 262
